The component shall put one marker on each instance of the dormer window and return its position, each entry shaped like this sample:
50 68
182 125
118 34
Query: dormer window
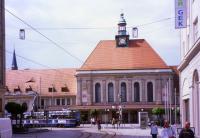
17 89
52 89
7 89
29 89
64 89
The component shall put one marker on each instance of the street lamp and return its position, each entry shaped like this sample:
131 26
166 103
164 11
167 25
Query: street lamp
120 108
106 116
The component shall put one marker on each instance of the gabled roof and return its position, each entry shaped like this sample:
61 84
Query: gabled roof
139 55
41 80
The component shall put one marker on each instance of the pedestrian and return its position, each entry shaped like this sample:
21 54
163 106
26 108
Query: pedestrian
99 124
186 132
167 131
113 122
154 130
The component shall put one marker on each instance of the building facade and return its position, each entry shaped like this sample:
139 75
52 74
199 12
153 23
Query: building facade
190 67
44 89
2 55
126 77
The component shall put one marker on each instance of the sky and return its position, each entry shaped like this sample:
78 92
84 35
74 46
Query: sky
77 26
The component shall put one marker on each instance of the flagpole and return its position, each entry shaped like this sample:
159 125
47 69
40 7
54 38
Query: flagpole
165 100
170 101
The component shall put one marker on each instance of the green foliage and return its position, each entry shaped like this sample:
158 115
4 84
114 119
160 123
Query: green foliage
83 117
13 108
158 111
24 108
94 113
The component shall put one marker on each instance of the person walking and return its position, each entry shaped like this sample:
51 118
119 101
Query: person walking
99 124
113 122
154 130
167 131
186 132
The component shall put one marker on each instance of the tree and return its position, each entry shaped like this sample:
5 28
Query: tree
14 109
158 112
94 113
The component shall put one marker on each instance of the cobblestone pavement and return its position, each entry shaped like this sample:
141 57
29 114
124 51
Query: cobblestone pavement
88 131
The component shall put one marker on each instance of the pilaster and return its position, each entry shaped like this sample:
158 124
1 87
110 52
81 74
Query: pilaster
116 99
103 99
129 92
79 91
158 91
143 91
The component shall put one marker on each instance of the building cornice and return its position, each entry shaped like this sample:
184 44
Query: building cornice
124 71
190 55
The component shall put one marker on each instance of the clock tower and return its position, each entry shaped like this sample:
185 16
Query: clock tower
122 37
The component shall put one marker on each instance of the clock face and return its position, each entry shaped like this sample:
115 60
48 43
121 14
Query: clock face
122 41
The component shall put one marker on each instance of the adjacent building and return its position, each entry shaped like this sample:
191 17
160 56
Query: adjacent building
45 89
2 55
190 67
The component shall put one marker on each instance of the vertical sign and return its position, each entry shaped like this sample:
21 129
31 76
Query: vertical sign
180 14
84 96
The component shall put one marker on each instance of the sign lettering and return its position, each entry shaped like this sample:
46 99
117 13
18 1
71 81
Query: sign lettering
180 14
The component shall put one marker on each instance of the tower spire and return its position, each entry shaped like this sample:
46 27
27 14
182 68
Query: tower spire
122 38
14 61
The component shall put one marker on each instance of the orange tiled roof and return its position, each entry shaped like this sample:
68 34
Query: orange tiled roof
139 55
41 80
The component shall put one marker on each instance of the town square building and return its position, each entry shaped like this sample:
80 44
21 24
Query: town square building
190 67
124 76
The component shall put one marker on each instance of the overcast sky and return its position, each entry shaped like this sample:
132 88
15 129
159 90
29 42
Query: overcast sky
69 23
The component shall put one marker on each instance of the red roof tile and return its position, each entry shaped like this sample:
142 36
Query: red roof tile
139 55
56 77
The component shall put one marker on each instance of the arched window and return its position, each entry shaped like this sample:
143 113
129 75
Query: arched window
123 92
150 92
97 93
196 102
110 92
136 92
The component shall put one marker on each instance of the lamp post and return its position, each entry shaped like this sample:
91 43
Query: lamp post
52 96
120 108
106 116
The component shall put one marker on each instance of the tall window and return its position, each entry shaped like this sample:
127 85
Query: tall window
68 101
97 93
63 101
123 92
150 92
136 92
195 29
57 101
42 103
52 89
110 92
196 102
